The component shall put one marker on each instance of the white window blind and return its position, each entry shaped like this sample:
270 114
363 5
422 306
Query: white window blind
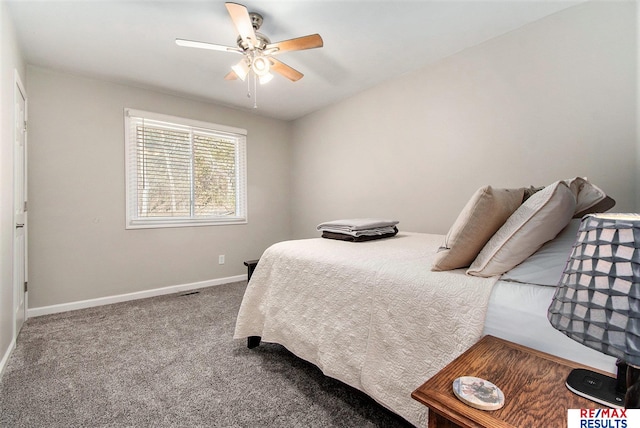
182 172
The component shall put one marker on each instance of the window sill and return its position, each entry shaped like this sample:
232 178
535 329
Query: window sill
159 224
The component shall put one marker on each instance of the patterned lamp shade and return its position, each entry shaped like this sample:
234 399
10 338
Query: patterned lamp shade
597 302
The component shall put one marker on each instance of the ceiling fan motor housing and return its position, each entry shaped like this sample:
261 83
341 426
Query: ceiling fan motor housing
263 41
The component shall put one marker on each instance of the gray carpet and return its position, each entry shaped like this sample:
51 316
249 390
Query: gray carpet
169 361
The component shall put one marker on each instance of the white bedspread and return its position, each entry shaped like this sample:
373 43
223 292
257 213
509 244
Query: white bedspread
370 314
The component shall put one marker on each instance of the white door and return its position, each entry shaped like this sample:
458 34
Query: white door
20 207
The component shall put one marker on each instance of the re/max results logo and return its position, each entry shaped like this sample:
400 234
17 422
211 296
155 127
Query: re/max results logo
603 418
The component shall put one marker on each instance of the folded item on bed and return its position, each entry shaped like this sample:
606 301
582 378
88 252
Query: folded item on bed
358 238
356 224
367 232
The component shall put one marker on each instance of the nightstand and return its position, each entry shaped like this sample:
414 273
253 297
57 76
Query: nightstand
533 384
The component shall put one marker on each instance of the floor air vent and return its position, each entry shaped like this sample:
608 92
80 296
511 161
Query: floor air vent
189 293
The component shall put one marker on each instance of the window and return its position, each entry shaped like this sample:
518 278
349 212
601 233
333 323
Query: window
182 172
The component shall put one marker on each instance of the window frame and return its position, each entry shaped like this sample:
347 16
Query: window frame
238 135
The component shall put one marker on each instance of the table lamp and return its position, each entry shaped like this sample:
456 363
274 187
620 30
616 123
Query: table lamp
597 303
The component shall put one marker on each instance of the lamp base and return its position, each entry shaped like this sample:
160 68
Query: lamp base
596 387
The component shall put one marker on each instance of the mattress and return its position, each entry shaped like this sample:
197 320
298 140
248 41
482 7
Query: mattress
518 312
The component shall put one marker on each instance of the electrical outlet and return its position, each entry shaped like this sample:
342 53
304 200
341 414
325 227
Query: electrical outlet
221 259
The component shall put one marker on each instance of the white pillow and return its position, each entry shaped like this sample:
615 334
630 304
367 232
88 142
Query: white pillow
587 194
538 220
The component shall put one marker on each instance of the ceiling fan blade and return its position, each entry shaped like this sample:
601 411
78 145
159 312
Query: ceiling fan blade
300 43
288 72
203 45
231 75
240 17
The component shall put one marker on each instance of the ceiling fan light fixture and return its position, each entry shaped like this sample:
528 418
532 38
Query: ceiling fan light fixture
241 69
266 78
261 65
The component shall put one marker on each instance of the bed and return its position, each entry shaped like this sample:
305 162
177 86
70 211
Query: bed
384 315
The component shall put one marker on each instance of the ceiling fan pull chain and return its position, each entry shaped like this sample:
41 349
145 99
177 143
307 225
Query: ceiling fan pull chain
255 91
249 89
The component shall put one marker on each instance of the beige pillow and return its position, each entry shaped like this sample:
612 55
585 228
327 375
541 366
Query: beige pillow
530 191
538 220
483 215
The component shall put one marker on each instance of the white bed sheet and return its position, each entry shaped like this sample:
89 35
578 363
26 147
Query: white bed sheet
518 312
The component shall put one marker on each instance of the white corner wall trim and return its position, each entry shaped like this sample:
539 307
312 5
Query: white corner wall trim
82 304
6 356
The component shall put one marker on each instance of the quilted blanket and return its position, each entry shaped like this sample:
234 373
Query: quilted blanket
370 314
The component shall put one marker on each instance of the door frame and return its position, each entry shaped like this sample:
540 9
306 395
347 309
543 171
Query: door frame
19 91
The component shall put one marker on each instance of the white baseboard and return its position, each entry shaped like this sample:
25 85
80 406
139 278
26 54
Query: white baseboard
82 304
6 356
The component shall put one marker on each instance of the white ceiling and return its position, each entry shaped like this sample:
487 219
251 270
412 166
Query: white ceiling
365 42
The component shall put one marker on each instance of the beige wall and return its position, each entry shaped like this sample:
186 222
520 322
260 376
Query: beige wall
79 248
10 62
554 99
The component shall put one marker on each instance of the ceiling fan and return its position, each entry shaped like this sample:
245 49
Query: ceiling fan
257 50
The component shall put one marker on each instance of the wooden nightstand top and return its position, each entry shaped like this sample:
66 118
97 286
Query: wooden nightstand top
533 383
